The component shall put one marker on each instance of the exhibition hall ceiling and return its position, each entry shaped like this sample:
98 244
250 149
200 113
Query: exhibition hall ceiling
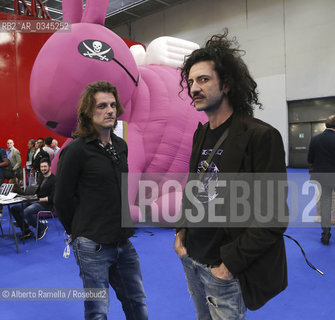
119 11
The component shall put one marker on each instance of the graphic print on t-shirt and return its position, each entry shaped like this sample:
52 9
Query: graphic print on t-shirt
204 194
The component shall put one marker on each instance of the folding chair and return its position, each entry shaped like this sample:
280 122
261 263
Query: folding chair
45 213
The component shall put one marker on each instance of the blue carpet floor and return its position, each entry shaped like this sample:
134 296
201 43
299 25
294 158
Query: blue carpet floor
41 265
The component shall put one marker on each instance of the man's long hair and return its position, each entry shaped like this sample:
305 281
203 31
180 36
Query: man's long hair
87 104
231 70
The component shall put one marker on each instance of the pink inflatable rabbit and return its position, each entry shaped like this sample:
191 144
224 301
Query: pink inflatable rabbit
161 122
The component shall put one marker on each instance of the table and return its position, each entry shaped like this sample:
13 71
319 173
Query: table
7 203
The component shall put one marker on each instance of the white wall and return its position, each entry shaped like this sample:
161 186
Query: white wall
290 47
272 95
310 48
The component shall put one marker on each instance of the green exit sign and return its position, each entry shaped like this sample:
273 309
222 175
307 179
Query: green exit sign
301 135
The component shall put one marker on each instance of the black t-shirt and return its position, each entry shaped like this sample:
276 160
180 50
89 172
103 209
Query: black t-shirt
203 244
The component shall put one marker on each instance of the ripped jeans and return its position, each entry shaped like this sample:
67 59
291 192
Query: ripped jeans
214 298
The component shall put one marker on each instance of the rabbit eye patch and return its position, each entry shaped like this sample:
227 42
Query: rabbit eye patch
99 50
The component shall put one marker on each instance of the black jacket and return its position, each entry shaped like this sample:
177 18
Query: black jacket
321 155
321 152
255 255
38 157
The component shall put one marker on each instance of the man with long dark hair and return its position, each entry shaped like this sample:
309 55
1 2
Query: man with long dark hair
88 202
230 269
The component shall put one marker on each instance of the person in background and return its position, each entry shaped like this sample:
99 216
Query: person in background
48 148
37 144
14 157
3 163
54 146
29 163
38 155
30 153
88 203
24 214
321 156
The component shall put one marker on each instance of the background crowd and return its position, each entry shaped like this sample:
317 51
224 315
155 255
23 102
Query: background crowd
11 164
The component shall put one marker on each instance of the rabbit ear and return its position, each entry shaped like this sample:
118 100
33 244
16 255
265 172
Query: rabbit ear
72 10
95 11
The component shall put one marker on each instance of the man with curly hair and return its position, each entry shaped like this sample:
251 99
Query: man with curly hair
230 268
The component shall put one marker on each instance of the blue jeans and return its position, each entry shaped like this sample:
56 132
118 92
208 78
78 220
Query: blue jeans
214 298
26 211
117 265
325 207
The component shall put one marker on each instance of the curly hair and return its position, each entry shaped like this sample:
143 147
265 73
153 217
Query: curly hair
231 69
87 103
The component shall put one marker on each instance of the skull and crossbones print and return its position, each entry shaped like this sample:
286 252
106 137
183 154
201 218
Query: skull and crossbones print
96 51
